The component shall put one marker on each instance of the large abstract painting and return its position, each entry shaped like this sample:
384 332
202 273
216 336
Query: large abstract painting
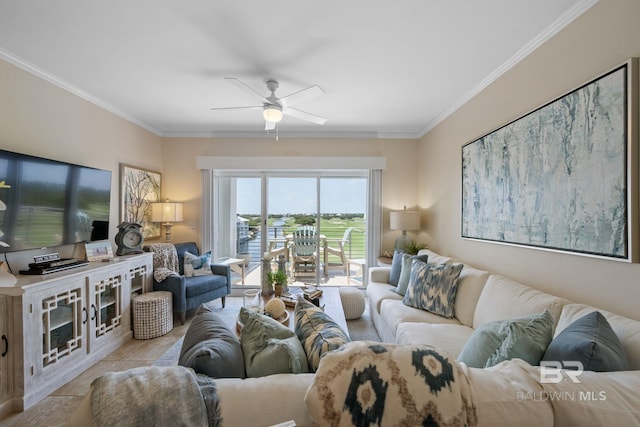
558 177
138 189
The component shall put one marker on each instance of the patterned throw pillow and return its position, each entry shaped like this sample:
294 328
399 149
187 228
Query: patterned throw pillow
197 265
367 383
433 288
317 332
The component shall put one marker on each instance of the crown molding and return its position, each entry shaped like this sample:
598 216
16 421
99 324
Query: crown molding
290 135
68 87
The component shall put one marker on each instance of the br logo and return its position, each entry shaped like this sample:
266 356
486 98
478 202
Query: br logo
551 371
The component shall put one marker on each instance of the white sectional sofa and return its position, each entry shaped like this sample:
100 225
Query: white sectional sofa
482 297
508 394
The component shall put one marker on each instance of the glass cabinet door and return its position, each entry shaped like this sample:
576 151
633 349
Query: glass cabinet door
106 308
139 278
61 325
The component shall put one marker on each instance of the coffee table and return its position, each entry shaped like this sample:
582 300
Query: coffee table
330 299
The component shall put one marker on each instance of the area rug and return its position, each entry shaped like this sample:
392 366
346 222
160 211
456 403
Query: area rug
361 329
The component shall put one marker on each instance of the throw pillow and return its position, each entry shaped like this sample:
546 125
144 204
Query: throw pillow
197 265
211 348
396 267
524 338
269 347
405 272
375 384
433 288
317 332
590 340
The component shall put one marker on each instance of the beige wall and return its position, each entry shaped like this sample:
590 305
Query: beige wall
41 119
602 38
181 180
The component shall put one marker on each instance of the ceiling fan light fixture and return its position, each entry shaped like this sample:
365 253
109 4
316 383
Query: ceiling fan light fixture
272 113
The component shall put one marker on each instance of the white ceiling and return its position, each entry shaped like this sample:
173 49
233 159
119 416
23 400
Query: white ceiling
388 68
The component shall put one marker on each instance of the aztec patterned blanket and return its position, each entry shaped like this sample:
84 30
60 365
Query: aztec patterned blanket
376 384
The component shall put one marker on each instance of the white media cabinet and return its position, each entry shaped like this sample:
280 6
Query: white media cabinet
55 326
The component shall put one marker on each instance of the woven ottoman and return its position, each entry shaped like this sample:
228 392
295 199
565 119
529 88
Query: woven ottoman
353 302
152 314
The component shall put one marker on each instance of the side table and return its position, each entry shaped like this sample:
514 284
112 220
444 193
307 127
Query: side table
384 261
152 314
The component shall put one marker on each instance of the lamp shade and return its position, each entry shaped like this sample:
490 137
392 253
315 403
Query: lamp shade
404 220
166 212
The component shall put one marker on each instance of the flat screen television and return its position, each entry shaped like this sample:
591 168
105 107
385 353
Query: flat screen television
47 203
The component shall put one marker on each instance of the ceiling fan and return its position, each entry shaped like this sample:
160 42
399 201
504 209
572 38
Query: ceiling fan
273 108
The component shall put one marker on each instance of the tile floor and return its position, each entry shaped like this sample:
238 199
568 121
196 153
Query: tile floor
56 408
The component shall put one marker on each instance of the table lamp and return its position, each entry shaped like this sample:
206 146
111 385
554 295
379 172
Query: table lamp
167 213
404 220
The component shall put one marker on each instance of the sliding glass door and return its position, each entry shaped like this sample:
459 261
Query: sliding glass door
261 215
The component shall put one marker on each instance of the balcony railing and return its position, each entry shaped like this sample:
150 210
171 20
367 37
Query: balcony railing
354 248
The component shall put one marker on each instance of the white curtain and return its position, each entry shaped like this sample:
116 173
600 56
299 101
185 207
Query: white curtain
207 234
374 222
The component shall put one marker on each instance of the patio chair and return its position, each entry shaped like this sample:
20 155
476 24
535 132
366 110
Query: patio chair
336 247
304 257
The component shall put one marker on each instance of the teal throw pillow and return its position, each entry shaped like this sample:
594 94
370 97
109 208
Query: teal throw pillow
269 347
590 340
524 338
433 287
405 272
317 332
396 267
197 265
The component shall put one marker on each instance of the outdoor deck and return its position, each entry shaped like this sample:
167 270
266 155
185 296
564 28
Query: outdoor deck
334 278
354 250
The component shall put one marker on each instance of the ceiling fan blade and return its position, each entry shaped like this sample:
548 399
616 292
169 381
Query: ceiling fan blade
242 85
236 108
304 116
302 95
269 125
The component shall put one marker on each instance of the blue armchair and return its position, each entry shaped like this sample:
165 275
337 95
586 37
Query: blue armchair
190 292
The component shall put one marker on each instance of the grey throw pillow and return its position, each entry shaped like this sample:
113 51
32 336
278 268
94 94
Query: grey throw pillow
524 338
211 348
590 340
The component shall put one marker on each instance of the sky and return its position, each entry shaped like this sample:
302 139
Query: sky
298 195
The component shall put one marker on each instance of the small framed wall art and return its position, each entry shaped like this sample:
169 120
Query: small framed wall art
99 250
138 189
